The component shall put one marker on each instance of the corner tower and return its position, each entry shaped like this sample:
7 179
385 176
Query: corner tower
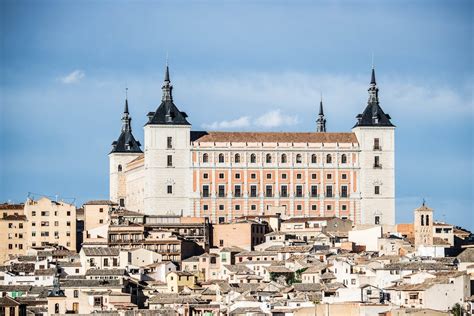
124 149
168 178
376 135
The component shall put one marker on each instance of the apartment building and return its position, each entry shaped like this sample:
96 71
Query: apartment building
50 222
13 235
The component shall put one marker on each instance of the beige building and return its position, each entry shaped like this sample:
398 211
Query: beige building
177 280
96 214
245 234
13 236
50 222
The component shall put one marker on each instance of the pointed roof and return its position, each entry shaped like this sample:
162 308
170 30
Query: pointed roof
126 143
321 112
167 113
373 114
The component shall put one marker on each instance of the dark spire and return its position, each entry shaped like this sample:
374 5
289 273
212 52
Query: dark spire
373 114
167 112
126 142
321 121
167 87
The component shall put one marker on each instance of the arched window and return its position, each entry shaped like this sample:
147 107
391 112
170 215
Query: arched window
422 220
221 158
343 158
427 221
205 158
119 168
56 308
237 158
314 158
253 158
298 158
329 158
283 158
269 158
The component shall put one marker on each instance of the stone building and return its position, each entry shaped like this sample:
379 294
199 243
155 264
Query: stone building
224 175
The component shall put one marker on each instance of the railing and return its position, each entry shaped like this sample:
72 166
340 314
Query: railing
377 147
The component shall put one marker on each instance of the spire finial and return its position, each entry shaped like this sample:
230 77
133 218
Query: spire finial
373 60
424 201
321 121
125 111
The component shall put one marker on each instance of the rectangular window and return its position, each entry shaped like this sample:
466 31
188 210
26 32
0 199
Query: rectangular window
237 207
205 207
329 191
314 190
344 207
283 175
106 262
344 191
299 191
237 175
237 191
329 207
169 189
221 190
221 220
269 175
314 207
97 301
169 142
253 176
284 191
313 176
299 176
205 175
205 191
377 190
68 213
268 191
33 213
253 207
299 207
344 176
329 176
377 162
170 161
377 144
221 176
253 191
122 202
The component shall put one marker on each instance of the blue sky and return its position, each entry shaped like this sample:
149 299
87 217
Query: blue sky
235 66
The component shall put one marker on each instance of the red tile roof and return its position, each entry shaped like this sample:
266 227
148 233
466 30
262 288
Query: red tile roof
273 137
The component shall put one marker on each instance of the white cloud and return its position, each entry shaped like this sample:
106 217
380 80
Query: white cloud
241 122
73 77
270 119
274 119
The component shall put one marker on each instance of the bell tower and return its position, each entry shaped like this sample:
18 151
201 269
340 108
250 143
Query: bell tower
423 226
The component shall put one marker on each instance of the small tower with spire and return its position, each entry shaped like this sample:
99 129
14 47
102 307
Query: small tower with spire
376 137
168 176
321 121
125 149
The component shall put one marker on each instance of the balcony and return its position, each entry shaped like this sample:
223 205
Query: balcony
377 166
377 148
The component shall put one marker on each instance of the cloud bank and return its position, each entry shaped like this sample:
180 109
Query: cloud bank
73 77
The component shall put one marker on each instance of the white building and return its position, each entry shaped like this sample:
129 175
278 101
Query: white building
223 175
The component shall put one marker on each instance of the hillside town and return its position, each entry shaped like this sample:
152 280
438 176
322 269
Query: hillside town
104 259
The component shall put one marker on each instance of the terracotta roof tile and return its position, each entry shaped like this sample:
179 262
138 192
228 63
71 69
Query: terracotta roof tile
273 137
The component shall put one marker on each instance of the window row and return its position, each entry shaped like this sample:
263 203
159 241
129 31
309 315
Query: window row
269 191
284 176
298 207
47 213
270 158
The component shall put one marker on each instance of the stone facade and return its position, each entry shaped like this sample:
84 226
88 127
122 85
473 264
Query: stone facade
225 175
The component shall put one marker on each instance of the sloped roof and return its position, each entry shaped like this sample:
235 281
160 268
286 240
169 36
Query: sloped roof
101 251
126 143
159 116
272 137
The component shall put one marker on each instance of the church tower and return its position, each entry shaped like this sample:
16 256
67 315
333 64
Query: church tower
423 226
376 135
168 177
321 121
124 149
